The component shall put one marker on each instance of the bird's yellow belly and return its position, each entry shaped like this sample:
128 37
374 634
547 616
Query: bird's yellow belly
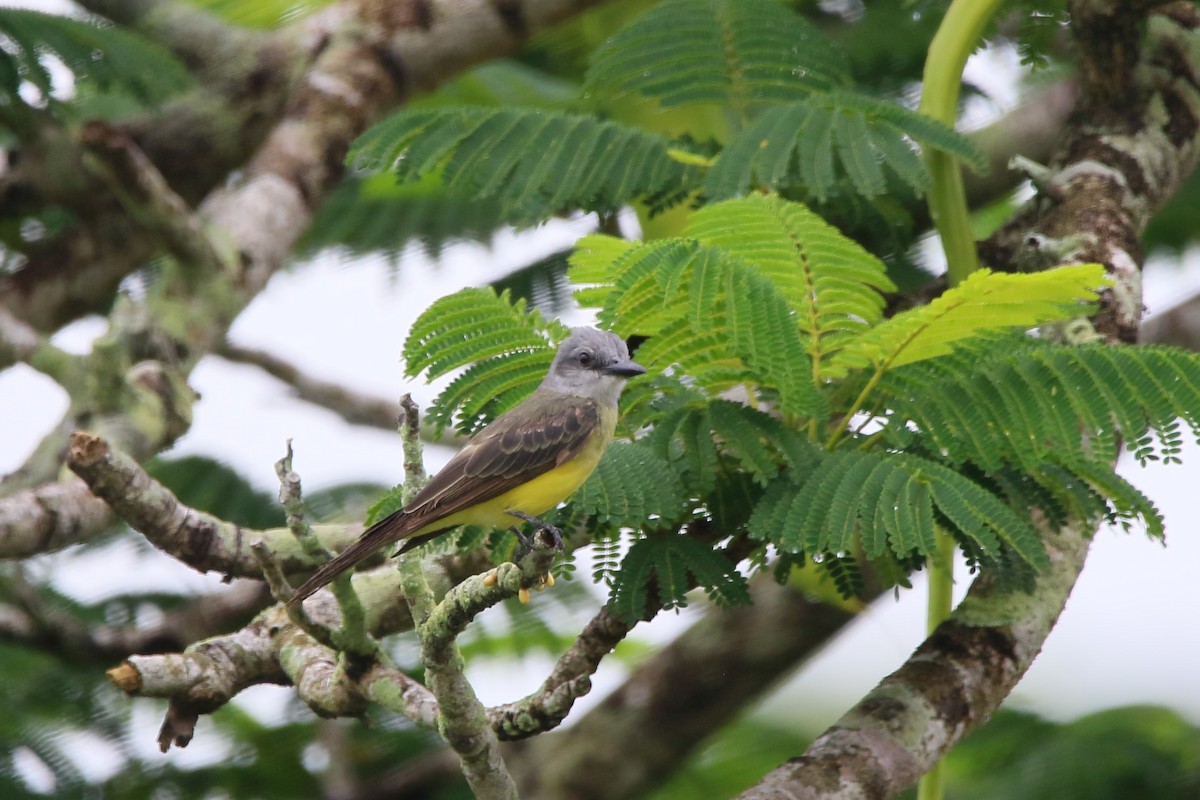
549 489
540 494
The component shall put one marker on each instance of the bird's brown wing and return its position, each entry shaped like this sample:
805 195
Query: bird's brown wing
529 440
532 438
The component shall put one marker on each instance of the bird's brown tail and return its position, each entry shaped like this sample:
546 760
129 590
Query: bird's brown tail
387 530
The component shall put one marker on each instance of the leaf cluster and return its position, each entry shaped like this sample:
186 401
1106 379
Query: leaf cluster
792 121
782 406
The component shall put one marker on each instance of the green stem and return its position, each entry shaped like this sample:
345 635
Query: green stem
953 43
955 40
941 601
843 426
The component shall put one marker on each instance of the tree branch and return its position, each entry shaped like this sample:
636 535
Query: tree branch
49 518
203 677
1126 152
294 99
462 720
354 407
1178 326
1032 129
21 342
200 540
569 680
146 197
210 673
33 624
950 685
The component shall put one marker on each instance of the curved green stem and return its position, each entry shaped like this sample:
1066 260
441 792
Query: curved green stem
953 43
955 40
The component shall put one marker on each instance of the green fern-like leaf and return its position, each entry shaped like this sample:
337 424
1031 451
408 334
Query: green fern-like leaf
675 563
983 303
980 515
846 575
761 292
508 350
698 440
713 313
112 57
1127 504
766 338
377 214
532 161
736 52
468 326
606 555
1029 403
645 287
503 83
723 584
390 501
487 389
631 485
887 501
732 501
832 284
590 266
831 134
263 13
749 435
630 589
685 441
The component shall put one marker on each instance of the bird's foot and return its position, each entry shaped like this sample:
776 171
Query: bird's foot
544 539
545 536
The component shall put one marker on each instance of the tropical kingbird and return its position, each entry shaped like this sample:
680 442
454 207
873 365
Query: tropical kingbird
524 463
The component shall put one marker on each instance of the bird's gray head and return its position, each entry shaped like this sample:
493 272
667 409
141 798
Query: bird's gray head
592 363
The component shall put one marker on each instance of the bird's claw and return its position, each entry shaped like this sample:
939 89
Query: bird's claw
547 582
544 537
548 536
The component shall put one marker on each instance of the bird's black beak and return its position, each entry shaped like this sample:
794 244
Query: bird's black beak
626 368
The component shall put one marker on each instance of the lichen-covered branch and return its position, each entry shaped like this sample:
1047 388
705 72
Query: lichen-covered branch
21 342
203 677
118 163
210 673
462 719
1032 130
41 627
569 680
950 685
200 540
1131 143
49 518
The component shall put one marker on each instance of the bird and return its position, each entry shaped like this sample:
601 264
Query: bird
524 463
